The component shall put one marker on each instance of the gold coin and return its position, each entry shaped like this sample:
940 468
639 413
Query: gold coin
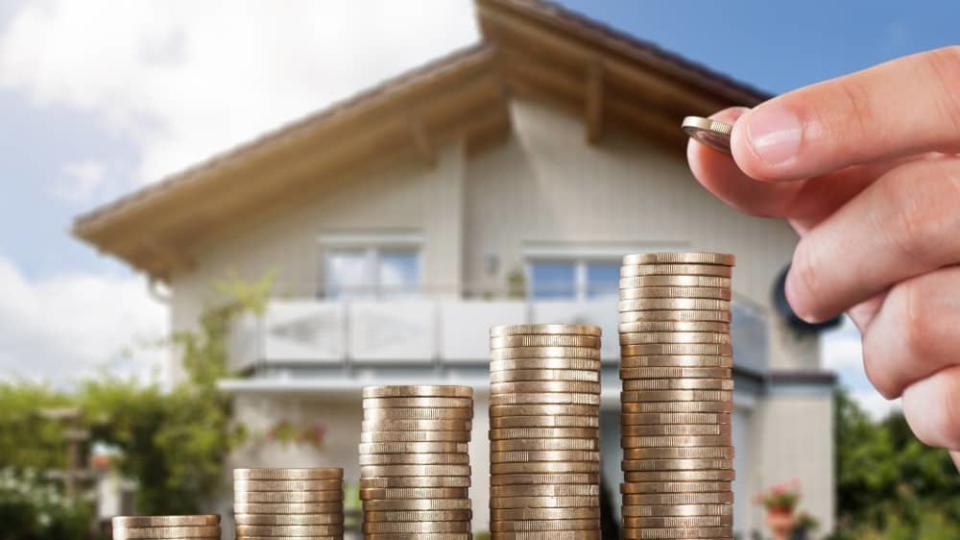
678 407
674 440
121 522
416 527
712 533
416 425
674 373
545 514
414 493
443 390
674 487
514 445
630 270
675 395
675 464
549 535
419 536
503 342
675 315
709 132
674 326
526 364
656 510
545 386
417 414
545 478
685 304
288 508
520 375
680 257
639 419
415 481
544 502
288 474
544 433
588 411
537 525
672 522
414 436
414 459
163 533
678 384
368 471
558 398
675 361
544 421
416 504
674 281
643 338
562 490
395 516
680 476
716 452
575 329
426 402
543 455
335 518
545 352
289 531
549 467
678 498
716 293
288 485
286 496
414 447
676 430
660 349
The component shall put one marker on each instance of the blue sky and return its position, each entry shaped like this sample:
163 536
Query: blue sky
98 98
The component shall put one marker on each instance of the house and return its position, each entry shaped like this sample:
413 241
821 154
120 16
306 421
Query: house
500 184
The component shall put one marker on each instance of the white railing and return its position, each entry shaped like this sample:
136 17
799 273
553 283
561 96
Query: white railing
424 331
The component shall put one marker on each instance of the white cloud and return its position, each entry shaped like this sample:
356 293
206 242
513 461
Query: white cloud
81 181
186 79
66 327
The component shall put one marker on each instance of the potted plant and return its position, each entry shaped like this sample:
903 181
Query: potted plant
780 502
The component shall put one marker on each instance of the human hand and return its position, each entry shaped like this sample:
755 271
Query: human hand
865 168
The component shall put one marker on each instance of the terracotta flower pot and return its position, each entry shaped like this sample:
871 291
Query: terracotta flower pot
781 522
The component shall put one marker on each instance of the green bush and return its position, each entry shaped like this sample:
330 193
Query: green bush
31 509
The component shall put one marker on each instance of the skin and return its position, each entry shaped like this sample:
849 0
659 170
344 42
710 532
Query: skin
865 169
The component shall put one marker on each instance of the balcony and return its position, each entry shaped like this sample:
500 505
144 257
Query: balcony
427 332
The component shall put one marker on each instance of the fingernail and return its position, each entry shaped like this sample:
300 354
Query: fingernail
774 133
791 291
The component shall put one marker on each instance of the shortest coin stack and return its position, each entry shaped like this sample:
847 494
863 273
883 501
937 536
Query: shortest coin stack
414 463
167 527
287 503
677 395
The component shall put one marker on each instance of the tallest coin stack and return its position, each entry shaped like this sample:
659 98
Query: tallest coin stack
677 395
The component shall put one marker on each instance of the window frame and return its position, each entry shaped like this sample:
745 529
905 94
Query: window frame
580 263
372 246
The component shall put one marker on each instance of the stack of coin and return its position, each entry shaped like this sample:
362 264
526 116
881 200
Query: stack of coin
414 463
284 503
167 527
677 395
544 431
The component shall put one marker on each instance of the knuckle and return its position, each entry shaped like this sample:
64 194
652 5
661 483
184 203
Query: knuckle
944 63
923 212
804 269
915 320
858 103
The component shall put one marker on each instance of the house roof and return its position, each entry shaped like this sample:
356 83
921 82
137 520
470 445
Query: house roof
529 48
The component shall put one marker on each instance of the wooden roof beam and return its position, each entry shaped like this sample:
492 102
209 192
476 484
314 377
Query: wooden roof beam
594 102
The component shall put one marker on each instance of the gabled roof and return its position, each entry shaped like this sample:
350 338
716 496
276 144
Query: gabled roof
530 48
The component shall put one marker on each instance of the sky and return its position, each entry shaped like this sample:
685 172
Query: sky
99 97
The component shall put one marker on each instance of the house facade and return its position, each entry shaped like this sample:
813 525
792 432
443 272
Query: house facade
500 184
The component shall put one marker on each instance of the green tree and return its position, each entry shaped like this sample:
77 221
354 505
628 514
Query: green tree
889 484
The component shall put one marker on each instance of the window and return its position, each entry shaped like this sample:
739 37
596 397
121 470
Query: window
573 279
371 272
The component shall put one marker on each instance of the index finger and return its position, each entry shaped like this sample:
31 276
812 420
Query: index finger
903 107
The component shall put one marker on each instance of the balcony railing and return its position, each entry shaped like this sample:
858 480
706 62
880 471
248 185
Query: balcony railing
424 331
